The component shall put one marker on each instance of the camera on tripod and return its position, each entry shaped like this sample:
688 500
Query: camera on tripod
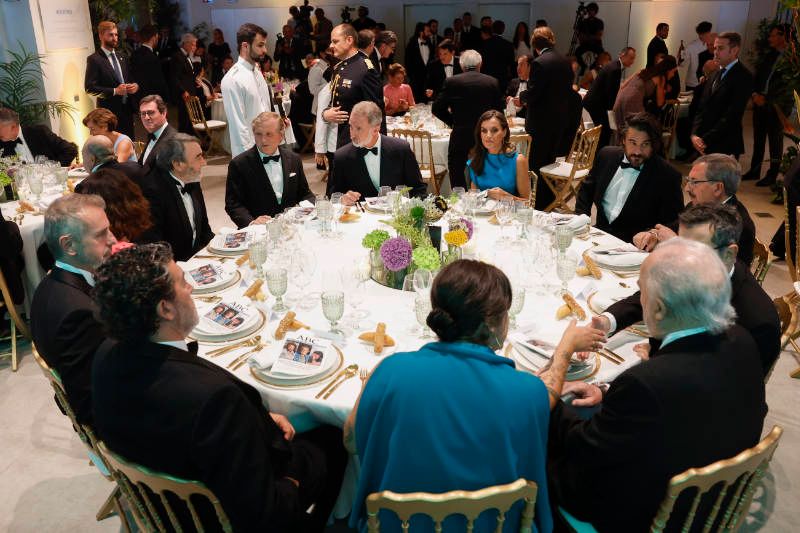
580 14
346 14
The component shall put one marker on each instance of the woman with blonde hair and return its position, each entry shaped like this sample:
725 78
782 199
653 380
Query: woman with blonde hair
101 121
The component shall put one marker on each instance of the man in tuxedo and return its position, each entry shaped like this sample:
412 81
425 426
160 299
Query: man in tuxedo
372 160
713 180
364 22
698 399
146 67
470 35
551 80
63 324
289 52
182 80
497 54
658 44
153 112
26 142
463 99
109 79
458 33
385 45
266 179
519 85
446 66
602 94
590 37
98 152
632 187
176 200
160 405
435 39
12 264
418 54
718 124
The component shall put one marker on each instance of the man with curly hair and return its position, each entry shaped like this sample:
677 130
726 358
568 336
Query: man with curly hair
160 405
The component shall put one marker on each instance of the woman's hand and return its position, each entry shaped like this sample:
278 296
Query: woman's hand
496 193
321 160
581 338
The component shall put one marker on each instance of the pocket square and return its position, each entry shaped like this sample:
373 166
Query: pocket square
292 174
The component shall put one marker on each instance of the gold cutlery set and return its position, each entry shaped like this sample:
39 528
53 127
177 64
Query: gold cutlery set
254 343
611 356
341 377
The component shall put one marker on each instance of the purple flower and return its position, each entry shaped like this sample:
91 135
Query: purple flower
396 253
468 227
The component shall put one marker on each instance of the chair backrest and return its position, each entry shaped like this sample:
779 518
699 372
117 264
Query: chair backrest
140 485
138 149
761 263
8 301
421 144
787 237
739 476
470 504
669 121
522 142
582 154
534 183
195 110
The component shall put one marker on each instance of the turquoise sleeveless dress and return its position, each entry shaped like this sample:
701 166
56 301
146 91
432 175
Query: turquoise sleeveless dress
499 170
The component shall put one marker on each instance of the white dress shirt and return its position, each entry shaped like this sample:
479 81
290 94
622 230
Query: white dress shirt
151 144
75 270
111 62
22 150
693 61
424 50
326 135
523 86
181 345
186 198
449 69
618 190
316 82
373 163
274 171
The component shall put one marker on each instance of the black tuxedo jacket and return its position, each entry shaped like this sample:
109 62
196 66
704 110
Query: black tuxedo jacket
603 92
132 170
498 59
463 99
656 198
150 162
170 220
290 65
417 68
182 77
697 400
471 39
101 80
719 116
42 141
398 167
551 79
435 76
146 71
511 90
249 193
754 312
656 46
67 335
11 261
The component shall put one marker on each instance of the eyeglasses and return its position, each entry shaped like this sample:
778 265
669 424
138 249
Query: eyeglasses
692 183
148 113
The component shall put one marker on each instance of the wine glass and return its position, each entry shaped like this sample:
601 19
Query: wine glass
353 284
384 190
563 238
423 279
422 308
565 270
338 210
393 199
258 255
517 303
35 184
333 308
303 266
504 214
277 281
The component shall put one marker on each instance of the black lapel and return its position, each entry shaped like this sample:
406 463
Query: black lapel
71 279
289 183
383 165
632 202
261 181
614 164
180 209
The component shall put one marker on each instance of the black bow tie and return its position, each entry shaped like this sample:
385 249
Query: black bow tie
9 147
448 66
267 158
183 189
424 43
628 165
151 137
363 151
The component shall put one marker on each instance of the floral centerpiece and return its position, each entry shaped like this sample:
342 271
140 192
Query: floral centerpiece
6 176
460 233
396 255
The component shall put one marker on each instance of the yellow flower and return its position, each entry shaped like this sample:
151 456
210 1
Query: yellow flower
457 237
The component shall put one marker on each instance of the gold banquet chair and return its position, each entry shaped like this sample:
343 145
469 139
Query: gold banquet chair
16 321
141 485
522 143
206 128
421 143
564 178
457 502
761 263
534 183
669 122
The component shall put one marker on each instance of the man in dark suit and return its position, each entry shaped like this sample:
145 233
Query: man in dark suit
26 142
373 160
435 39
791 184
551 79
176 200
698 399
719 227
63 326
632 187
160 405
419 53
519 85
290 52
438 70
182 80
267 178
12 264
602 94
658 44
463 99
470 35
718 124
153 112
98 152
146 67
108 78
498 56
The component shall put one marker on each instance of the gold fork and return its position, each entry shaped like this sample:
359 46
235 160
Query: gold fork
241 344
349 373
219 258
208 299
364 375
242 359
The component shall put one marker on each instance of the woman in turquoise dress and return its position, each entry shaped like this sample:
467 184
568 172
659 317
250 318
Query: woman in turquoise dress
454 414
494 164
101 121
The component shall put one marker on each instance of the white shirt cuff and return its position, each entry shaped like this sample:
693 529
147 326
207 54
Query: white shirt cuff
612 321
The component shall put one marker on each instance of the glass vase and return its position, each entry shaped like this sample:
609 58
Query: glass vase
394 279
453 253
376 267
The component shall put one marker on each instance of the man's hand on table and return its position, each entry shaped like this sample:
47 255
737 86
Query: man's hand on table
285 425
642 350
586 394
582 338
350 197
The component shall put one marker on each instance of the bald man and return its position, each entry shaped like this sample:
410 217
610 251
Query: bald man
98 152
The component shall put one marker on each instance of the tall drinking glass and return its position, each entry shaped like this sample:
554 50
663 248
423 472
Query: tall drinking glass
517 303
565 270
277 283
504 215
258 255
422 308
333 308
563 238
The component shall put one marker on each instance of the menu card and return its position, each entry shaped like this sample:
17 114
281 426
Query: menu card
235 240
226 317
207 274
302 355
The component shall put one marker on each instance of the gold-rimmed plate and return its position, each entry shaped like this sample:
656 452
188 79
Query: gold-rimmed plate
233 280
265 379
580 373
261 319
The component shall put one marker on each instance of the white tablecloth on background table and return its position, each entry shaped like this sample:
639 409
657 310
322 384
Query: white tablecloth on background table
218 113
32 232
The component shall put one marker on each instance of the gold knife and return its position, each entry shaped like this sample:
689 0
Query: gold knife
613 354
349 373
608 357
335 379
233 365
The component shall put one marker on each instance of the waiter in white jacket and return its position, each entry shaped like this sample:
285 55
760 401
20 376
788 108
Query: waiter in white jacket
245 92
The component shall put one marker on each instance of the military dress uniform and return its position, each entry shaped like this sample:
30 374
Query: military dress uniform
354 80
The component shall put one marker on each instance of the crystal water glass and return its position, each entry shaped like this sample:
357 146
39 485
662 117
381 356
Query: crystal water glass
523 217
517 303
277 283
35 184
303 266
422 308
384 190
565 270
325 216
563 238
393 201
504 214
423 279
333 308
258 255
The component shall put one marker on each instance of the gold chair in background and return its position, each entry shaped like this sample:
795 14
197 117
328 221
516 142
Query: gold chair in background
138 149
522 143
761 263
534 183
206 128
16 321
143 487
421 143
565 177
457 502
669 122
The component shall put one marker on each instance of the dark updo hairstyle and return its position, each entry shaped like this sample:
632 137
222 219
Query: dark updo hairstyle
468 299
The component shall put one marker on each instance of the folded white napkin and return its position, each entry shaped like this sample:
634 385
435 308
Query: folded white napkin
574 222
621 260
262 360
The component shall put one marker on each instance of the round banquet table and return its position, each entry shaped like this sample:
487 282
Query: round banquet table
395 309
218 113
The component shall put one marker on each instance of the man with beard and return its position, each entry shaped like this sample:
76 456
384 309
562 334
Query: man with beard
245 92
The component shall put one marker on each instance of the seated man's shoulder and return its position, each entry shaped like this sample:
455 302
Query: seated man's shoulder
394 143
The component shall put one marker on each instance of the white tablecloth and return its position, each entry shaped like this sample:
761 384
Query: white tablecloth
218 113
32 232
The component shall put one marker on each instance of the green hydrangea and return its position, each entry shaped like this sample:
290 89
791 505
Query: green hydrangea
417 212
374 239
426 257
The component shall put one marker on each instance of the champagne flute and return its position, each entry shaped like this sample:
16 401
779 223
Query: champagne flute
338 210
333 308
504 214
565 270
304 264
423 279
277 281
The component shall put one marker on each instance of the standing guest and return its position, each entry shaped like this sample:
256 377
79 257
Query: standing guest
463 99
645 91
366 43
322 30
385 45
316 77
718 124
398 96
446 66
590 37
153 112
63 326
471 36
706 55
245 95
27 142
355 79
372 160
12 263
551 79
289 53
494 164
519 85
448 34
699 399
363 22
602 94
435 38
176 199
146 67
458 33
693 51
161 406
497 54
182 80
325 136
418 54
266 179
791 186
103 122
198 58
218 50
522 40
769 91
632 187
603 59
108 78
98 152
658 44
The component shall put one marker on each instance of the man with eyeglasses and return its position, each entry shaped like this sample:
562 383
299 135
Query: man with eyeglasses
153 112
713 180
